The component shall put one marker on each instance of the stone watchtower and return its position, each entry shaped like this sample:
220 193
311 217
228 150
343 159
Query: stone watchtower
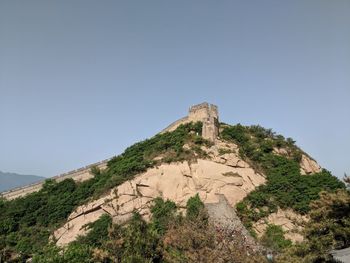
208 114
205 113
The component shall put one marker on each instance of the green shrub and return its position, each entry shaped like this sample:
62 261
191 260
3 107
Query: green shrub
235 133
139 242
194 206
162 212
274 238
74 253
98 231
285 187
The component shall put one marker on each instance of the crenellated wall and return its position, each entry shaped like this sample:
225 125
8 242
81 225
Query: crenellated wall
204 112
78 175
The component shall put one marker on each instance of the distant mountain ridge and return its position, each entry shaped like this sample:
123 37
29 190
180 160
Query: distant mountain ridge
9 181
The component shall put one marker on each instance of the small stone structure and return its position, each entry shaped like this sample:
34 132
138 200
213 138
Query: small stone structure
342 255
205 113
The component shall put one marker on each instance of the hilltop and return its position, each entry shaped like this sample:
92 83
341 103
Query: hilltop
199 191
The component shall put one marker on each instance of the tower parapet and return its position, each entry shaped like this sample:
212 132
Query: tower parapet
207 114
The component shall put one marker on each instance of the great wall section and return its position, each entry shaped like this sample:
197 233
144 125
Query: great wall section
78 175
204 112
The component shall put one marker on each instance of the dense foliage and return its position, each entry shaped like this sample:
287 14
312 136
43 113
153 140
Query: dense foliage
168 237
98 231
285 187
274 238
328 228
25 223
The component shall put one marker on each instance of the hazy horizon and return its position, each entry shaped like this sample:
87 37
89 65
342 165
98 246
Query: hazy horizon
81 81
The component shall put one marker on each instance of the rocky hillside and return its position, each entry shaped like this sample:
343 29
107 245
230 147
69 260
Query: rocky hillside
210 175
174 198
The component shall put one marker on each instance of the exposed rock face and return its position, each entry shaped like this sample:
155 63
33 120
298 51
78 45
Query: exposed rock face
291 222
281 151
309 166
230 159
222 174
225 175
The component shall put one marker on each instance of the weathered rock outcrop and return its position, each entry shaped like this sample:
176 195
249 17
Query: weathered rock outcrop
225 175
291 223
309 166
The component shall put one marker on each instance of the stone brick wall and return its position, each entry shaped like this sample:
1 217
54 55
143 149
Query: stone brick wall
77 175
204 112
175 124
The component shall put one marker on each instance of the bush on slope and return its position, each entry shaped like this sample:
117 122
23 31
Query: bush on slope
285 186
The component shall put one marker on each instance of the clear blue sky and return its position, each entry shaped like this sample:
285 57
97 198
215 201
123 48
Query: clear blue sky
82 80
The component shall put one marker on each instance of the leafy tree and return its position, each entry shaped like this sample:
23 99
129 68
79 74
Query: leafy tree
328 228
330 220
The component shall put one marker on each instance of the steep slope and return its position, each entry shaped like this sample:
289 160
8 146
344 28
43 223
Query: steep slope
13 180
293 180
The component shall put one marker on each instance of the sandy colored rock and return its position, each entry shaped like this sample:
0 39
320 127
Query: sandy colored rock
291 222
231 159
309 166
176 181
280 151
76 227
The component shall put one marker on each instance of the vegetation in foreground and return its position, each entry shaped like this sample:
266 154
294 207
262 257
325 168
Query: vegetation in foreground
328 229
168 237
